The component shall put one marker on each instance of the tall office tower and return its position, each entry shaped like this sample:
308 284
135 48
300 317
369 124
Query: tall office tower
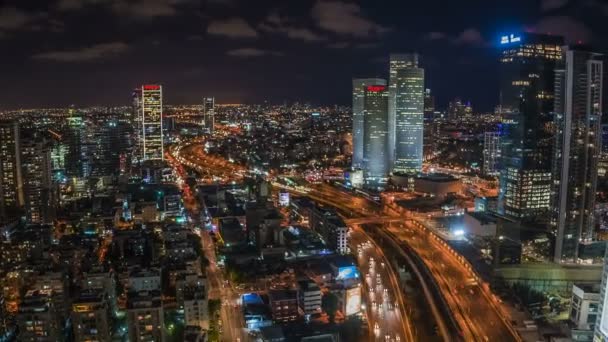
359 85
375 135
491 153
603 162
111 139
397 62
11 182
73 138
578 112
408 89
429 104
527 81
456 109
136 122
209 113
37 179
152 122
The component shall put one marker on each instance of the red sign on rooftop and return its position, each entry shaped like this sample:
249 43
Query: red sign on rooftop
376 88
151 87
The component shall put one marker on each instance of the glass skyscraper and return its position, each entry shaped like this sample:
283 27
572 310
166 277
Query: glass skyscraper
375 151
359 85
527 66
578 112
209 113
407 103
152 121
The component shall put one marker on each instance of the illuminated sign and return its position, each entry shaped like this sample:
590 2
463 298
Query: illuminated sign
510 39
353 301
375 88
284 199
151 87
348 272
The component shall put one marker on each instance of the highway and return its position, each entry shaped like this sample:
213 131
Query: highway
474 307
385 306
475 312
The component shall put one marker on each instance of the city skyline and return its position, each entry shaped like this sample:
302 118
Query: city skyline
188 43
310 170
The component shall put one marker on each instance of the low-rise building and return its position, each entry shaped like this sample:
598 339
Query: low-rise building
37 318
584 311
145 316
283 305
310 297
91 317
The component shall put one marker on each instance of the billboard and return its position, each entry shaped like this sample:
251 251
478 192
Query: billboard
348 272
353 301
284 199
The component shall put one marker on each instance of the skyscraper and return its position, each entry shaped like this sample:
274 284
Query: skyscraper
359 85
491 153
209 113
152 121
11 181
407 86
136 122
578 111
527 67
37 179
375 152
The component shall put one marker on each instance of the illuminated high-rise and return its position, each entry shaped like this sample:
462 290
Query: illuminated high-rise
527 67
136 122
491 153
209 113
578 113
152 122
359 85
11 181
37 179
375 135
407 91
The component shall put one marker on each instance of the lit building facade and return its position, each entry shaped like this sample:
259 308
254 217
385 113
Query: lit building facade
152 122
578 112
209 113
90 316
408 89
527 67
37 179
11 182
491 153
375 135
359 85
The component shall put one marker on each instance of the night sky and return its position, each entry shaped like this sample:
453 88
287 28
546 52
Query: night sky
93 52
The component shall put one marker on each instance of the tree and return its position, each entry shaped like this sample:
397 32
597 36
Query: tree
329 304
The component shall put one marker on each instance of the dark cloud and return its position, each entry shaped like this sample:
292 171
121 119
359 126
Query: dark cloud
85 54
345 19
470 36
12 18
571 29
252 52
232 28
549 5
435 36
145 8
